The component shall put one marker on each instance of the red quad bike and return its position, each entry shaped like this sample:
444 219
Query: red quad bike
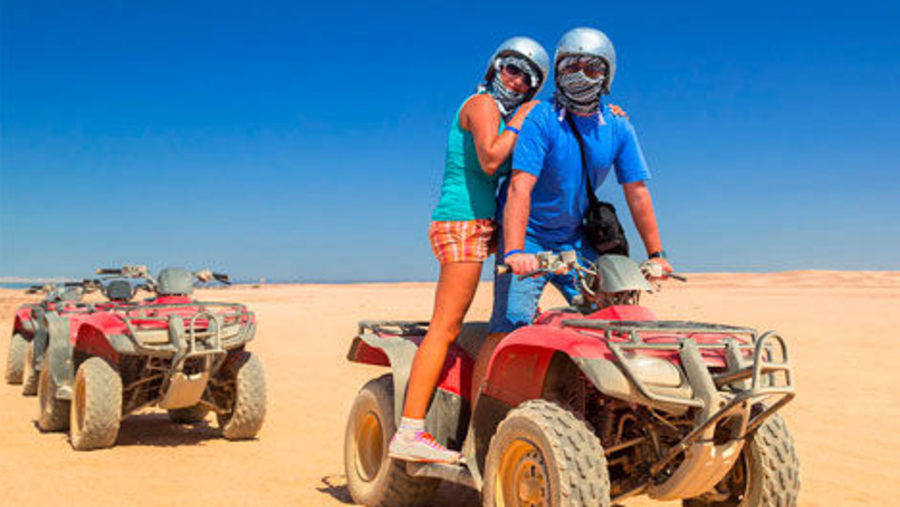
29 337
586 406
183 355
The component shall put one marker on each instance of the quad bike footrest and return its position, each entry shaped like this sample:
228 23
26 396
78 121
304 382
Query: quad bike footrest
458 474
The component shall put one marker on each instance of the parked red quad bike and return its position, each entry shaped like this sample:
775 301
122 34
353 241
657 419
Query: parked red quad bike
586 406
171 351
29 336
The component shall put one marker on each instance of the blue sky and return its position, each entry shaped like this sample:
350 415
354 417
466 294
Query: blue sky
306 142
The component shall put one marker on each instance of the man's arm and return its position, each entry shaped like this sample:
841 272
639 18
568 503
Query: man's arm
515 221
641 206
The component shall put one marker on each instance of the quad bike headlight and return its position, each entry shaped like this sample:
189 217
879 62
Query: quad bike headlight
655 371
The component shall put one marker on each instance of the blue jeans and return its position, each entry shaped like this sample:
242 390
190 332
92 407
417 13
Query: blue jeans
516 301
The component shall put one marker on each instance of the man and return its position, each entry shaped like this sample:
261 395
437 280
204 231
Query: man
547 200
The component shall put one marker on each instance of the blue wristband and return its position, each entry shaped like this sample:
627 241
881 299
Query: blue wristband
516 251
512 129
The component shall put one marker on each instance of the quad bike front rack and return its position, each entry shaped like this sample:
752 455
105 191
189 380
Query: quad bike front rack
142 321
717 397
180 388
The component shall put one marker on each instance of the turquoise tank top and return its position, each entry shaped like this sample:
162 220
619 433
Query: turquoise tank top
467 192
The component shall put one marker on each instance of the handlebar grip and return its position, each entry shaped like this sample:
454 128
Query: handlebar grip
503 269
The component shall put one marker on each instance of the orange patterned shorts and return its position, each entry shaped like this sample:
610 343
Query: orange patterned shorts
463 240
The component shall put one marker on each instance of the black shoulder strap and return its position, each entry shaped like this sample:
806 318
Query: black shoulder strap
592 198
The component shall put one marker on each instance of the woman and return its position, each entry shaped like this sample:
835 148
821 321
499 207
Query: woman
463 231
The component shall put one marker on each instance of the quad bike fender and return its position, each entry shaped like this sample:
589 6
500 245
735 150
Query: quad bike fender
24 323
60 351
397 351
248 332
93 341
454 383
519 367
107 322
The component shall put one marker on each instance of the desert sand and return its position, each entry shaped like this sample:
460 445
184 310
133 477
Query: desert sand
843 329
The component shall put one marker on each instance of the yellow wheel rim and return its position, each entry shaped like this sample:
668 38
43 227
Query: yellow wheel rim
522 477
369 446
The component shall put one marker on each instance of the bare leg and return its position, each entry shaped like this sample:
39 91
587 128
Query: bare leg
456 288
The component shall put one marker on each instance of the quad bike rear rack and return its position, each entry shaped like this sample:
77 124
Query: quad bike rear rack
717 396
394 327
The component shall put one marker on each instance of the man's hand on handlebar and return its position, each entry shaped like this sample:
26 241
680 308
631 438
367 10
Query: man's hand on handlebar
664 264
522 263
658 269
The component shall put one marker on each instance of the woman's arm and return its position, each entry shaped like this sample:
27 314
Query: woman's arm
481 117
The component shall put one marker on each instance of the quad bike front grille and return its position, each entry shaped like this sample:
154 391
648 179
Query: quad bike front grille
758 374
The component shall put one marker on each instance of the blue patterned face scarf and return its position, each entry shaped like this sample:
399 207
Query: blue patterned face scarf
508 100
575 89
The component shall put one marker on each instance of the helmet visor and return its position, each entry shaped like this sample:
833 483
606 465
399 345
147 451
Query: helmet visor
591 66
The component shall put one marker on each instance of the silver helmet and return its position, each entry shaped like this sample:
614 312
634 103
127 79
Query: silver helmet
175 282
529 49
588 42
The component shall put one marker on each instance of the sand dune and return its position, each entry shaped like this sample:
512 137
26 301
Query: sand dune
843 329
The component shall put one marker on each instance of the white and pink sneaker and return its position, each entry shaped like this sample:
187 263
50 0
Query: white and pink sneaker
420 447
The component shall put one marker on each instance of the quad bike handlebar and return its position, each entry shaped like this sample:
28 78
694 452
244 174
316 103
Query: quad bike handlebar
548 262
87 285
609 280
206 275
126 271
566 261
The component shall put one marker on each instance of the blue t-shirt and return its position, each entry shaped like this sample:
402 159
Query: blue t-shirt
548 149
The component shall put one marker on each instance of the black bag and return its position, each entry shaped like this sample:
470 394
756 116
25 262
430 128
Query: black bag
602 228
